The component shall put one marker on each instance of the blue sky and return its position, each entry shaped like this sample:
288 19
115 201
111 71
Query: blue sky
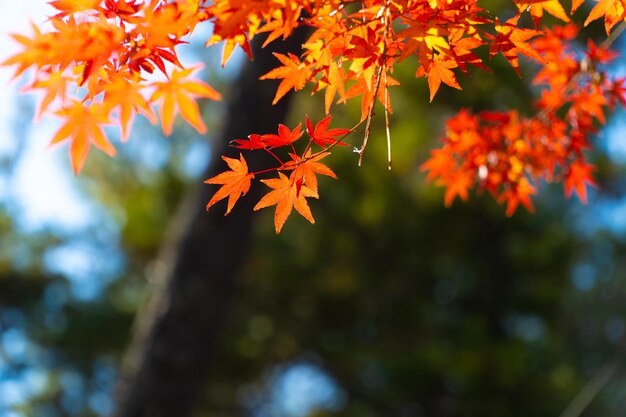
41 188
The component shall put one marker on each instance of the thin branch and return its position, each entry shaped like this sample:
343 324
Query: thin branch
613 36
379 71
387 124
305 159
591 389
368 125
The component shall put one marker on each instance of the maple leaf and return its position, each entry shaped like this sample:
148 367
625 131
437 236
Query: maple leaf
287 193
600 54
67 7
254 141
92 43
307 167
537 7
283 24
576 4
178 96
440 70
36 51
121 8
617 91
162 26
126 95
83 127
235 182
285 136
364 89
512 41
335 84
591 103
322 136
457 184
576 179
240 39
55 86
440 163
463 54
519 193
294 74
613 11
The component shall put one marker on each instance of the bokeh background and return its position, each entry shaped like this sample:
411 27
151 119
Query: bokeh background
390 305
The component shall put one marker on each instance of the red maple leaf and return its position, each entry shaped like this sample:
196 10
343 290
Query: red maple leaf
322 136
577 178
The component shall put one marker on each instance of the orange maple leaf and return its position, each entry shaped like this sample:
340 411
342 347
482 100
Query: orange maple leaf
126 95
294 74
441 70
306 168
36 51
83 126
537 7
613 11
457 184
287 193
335 84
162 26
235 182
575 5
512 41
178 96
439 165
72 6
55 86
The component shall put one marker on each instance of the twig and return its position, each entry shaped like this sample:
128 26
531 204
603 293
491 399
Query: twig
591 389
387 124
368 124
379 71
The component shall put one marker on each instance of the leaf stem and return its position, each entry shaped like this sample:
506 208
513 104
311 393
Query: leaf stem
274 155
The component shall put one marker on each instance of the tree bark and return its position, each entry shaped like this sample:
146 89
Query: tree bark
175 338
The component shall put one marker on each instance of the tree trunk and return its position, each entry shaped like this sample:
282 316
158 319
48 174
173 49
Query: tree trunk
175 338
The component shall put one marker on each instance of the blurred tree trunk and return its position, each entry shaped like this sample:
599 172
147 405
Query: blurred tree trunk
175 337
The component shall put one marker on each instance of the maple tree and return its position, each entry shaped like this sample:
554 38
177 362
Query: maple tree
93 63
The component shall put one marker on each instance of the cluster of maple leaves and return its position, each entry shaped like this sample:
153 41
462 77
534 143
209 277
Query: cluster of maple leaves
287 192
506 153
108 47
